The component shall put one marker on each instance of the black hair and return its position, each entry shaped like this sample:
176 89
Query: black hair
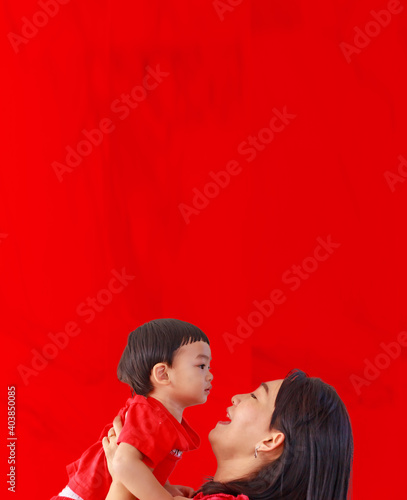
152 343
317 456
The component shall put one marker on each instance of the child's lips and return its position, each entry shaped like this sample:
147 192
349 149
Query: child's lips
208 389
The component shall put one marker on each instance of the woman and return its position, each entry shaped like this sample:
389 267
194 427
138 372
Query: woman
289 439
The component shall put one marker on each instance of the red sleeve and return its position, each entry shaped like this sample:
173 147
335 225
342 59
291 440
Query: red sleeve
150 431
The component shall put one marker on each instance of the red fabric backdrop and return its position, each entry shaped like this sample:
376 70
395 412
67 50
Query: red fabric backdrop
200 150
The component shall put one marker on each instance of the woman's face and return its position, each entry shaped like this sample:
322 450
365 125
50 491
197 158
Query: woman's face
248 422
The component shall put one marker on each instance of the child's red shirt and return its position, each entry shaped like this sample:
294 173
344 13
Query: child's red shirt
149 427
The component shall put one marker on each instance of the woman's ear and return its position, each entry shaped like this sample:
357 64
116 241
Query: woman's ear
160 375
272 443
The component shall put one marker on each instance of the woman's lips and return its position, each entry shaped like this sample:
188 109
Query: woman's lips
227 421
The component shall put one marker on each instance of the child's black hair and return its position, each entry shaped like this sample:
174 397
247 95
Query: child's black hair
152 343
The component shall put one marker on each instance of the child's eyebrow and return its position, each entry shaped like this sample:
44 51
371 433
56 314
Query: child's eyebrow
203 356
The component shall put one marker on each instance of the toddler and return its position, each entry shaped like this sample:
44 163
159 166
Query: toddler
166 363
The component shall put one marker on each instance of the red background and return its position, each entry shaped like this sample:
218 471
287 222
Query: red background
323 175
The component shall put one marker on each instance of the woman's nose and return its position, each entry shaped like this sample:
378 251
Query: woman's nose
236 399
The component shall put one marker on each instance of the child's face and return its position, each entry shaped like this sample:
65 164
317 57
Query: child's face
190 376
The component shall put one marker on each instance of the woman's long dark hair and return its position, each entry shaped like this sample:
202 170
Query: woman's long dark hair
317 458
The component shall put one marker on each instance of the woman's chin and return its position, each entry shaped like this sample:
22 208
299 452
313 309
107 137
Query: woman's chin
219 427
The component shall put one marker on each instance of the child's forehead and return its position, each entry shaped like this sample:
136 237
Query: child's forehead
199 350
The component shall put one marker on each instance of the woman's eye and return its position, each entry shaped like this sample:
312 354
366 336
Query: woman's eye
253 396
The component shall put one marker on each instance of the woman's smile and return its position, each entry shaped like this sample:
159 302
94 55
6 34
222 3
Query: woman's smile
227 421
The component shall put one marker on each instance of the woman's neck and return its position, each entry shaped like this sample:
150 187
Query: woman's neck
234 468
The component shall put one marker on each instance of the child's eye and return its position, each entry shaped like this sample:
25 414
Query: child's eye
201 366
253 396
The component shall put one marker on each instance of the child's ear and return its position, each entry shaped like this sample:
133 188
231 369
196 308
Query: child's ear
159 374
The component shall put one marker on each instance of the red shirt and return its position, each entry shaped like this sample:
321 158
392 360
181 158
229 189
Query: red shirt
149 427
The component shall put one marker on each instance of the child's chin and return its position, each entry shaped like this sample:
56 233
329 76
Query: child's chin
200 401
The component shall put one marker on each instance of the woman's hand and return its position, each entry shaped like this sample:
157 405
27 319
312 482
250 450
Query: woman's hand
110 442
186 491
179 490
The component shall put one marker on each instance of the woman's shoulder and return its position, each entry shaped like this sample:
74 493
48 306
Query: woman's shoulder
220 496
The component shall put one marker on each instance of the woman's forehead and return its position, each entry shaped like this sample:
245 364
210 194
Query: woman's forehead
272 387
274 383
